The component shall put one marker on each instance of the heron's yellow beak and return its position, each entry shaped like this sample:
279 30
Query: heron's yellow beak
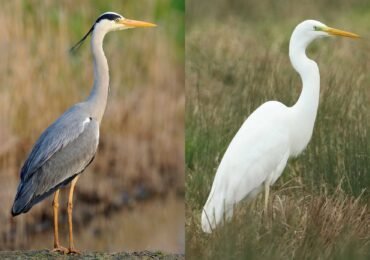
333 31
134 23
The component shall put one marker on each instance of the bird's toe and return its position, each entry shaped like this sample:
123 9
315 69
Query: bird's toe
60 249
73 251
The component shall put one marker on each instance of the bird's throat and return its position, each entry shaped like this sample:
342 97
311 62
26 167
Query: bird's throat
99 93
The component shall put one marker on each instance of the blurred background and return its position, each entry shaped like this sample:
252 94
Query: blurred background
237 59
132 196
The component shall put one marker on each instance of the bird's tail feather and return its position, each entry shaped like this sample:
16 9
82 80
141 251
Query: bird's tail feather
22 199
27 196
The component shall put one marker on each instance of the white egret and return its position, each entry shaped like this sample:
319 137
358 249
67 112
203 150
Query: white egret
258 153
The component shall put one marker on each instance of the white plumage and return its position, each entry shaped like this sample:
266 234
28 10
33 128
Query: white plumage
258 153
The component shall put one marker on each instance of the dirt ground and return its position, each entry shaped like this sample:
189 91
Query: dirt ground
45 254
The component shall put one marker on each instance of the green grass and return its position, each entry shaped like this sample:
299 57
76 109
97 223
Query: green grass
237 58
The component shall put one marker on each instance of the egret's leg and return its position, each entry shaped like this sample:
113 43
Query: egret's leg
71 248
267 191
57 247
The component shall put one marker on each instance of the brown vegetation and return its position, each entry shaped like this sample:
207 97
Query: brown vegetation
299 226
141 148
237 59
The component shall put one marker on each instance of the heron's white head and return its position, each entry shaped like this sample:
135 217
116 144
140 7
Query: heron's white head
111 21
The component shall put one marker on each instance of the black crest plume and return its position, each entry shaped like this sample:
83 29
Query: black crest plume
108 15
77 45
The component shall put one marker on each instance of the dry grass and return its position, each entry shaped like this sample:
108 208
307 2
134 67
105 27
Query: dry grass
141 148
236 60
303 226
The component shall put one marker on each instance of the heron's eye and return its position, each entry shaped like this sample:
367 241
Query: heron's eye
117 20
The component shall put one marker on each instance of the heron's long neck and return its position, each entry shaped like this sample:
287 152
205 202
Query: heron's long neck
99 94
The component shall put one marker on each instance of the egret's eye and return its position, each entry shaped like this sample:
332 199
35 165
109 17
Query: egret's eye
316 28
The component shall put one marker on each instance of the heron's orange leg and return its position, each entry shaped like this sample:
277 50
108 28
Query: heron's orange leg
57 247
71 248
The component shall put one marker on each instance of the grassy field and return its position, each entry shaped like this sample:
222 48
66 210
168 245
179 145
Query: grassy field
236 59
141 151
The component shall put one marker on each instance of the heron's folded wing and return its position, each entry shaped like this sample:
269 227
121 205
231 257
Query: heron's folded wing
63 131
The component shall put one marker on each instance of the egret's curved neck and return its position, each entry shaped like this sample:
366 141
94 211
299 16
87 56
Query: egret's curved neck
308 101
97 99
305 110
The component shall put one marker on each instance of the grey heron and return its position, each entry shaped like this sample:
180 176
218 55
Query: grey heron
68 146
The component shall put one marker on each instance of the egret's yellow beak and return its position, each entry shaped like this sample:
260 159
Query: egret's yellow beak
133 23
333 31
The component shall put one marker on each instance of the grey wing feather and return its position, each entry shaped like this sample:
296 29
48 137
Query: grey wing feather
65 129
64 150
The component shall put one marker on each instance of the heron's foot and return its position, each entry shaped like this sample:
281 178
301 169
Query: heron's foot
72 250
60 249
